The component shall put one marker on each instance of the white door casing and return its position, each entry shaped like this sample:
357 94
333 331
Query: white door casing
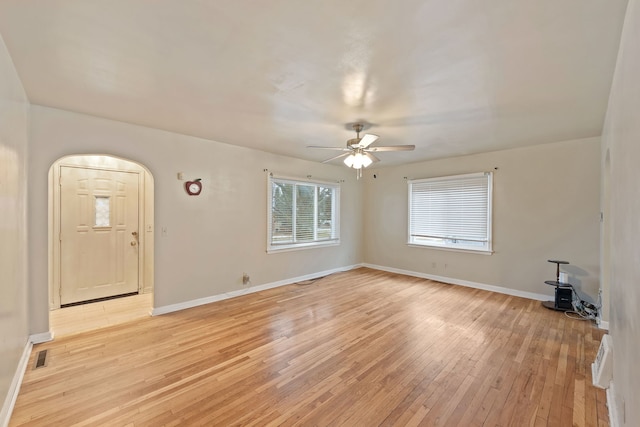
99 233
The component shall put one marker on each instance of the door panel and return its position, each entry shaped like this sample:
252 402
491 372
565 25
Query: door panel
99 233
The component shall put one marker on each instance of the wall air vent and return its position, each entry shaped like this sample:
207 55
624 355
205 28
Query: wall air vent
601 368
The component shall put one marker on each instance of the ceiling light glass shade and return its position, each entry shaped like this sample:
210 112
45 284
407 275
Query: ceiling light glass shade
357 161
349 160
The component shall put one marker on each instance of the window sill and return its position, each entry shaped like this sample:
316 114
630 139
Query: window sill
289 248
445 248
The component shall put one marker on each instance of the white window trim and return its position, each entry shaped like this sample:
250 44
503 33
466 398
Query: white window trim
306 245
469 249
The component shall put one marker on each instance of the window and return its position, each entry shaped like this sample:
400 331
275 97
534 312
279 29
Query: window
451 212
103 210
302 214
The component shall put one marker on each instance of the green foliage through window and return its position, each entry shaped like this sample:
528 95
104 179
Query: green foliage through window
302 213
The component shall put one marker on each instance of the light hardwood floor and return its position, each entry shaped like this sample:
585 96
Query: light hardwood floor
361 348
89 317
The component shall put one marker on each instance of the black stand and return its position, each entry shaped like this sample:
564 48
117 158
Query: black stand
564 292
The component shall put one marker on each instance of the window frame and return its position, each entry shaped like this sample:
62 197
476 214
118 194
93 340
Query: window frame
486 249
334 240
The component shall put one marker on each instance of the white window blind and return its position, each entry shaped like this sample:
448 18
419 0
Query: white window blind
451 212
302 214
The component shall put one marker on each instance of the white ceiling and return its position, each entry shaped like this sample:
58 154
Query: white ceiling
452 77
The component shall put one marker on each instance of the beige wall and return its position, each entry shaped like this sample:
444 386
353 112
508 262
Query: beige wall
545 206
211 239
621 154
14 109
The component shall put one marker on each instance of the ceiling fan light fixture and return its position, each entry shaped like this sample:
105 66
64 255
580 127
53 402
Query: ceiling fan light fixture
366 161
359 153
357 160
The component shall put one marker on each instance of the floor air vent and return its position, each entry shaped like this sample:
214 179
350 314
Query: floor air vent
41 359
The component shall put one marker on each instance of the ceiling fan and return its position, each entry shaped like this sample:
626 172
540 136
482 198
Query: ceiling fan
358 153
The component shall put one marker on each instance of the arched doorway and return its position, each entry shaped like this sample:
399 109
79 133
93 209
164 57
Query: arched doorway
101 235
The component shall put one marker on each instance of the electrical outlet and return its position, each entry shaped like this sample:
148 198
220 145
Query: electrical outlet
433 265
246 279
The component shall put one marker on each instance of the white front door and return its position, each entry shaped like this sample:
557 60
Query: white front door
98 233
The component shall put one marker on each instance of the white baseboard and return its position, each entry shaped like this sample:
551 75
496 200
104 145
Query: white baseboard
40 338
14 387
475 285
614 421
207 300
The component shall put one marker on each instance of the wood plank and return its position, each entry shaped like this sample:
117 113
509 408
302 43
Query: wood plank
363 347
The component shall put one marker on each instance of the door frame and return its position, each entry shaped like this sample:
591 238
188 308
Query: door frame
55 226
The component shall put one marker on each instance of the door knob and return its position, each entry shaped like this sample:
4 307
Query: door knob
133 243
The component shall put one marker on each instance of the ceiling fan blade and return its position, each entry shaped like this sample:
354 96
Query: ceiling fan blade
329 148
367 140
339 156
373 158
393 148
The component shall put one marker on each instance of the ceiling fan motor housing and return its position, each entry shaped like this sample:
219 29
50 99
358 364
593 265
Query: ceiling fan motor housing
352 142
